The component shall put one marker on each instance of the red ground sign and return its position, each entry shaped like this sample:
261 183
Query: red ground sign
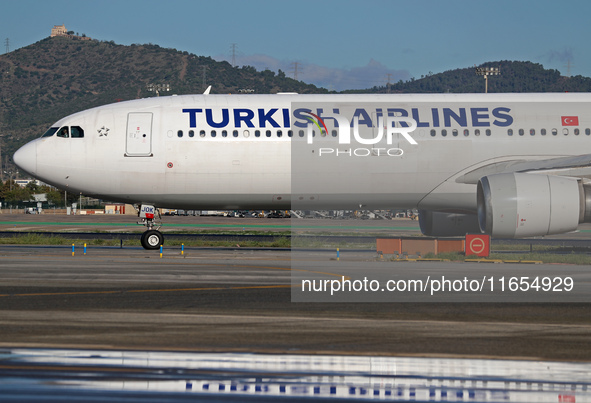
478 244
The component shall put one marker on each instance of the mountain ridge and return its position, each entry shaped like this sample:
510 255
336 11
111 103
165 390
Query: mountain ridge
55 77
58 76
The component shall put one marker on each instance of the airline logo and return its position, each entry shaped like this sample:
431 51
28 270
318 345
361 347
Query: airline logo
376 129
424 117
433 117
570 120
147 211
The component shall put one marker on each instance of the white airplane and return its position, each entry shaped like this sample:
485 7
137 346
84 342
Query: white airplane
511 165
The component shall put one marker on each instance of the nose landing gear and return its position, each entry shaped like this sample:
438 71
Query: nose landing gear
151 239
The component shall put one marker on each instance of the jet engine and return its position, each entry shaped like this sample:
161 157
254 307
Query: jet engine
435 223
515 205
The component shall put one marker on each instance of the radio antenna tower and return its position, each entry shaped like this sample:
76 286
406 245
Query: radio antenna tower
295 70
568 66
7 42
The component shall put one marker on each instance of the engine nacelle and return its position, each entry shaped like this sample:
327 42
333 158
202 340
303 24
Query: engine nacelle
515 205
434 223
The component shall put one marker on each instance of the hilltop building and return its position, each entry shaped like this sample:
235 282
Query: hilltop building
60 30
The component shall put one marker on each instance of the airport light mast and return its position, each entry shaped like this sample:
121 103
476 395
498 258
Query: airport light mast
158 87
487 71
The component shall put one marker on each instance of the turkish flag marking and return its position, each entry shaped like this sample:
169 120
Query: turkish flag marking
570 120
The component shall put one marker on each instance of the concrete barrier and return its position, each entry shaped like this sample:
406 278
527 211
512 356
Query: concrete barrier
419 246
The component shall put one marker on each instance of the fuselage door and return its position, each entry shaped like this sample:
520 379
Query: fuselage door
138 141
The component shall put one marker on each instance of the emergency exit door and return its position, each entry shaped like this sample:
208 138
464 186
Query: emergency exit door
139 134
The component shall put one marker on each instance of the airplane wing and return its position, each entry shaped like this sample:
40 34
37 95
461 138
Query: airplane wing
505 173
577 166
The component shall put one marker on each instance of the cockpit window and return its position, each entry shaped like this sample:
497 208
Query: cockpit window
50 132
63 132
76 132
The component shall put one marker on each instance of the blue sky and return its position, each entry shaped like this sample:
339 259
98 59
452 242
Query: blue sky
337 44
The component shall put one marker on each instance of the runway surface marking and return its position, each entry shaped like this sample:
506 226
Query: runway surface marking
195 264
40 294
175 289
79 369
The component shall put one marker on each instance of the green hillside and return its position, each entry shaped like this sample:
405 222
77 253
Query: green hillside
55 77
514 77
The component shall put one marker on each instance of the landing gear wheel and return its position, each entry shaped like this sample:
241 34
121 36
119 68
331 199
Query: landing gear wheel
152 239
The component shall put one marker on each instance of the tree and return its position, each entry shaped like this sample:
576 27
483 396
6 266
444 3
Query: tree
17 194
55 197
7 187
32 187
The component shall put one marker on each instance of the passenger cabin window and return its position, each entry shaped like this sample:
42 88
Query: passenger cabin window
50 132
63 132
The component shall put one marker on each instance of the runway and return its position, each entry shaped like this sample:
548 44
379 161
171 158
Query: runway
236 300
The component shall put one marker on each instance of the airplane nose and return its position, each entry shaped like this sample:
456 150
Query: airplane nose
26 157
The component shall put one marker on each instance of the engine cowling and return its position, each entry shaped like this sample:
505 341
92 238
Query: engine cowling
516 205
435 223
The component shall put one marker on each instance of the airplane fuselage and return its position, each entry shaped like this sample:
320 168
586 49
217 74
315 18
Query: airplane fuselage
277 151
